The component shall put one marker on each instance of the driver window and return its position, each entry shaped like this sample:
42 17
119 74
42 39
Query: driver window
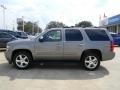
52 36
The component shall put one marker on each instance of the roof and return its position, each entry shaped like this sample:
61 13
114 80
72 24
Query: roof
77 28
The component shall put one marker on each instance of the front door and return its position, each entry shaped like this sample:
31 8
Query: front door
51 48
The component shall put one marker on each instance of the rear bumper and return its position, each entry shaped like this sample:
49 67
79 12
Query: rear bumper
108 56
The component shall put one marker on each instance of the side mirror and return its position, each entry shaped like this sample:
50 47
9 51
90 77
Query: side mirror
41 39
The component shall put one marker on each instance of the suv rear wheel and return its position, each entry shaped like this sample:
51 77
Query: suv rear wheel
22 60
90 61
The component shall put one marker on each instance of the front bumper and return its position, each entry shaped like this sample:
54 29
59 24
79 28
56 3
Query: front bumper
8 55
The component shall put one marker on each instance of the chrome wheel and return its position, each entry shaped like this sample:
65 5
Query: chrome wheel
91 62
22 61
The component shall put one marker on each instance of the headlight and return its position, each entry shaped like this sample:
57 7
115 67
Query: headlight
7 47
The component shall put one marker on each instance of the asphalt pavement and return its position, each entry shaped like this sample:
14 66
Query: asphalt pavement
61 76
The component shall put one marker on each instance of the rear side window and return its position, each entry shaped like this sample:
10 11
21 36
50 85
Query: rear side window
73 35
97 35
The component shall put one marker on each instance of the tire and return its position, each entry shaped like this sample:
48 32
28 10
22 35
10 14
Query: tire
90 61
22 60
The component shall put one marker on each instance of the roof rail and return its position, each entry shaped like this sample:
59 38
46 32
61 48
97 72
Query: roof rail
66 27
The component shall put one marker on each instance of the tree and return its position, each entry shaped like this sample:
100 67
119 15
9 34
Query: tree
55 24
84 24
29 27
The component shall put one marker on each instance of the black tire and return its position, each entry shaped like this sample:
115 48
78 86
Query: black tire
84 59
29 59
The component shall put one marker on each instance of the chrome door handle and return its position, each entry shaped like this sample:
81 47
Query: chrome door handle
82 44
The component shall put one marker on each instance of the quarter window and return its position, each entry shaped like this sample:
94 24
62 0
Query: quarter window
97 35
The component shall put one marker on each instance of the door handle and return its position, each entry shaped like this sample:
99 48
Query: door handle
82 44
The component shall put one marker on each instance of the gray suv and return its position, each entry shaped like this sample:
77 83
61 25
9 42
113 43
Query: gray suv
90 46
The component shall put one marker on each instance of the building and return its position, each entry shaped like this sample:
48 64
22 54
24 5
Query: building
112 23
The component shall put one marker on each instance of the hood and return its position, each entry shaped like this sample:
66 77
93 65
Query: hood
20 41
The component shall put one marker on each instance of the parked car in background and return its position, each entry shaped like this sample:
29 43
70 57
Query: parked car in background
5 38
37 34
17 34
89 46
21 34
31 36
116 38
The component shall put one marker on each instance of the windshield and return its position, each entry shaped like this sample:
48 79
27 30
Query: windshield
38 35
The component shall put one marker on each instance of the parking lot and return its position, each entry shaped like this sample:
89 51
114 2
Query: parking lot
67 76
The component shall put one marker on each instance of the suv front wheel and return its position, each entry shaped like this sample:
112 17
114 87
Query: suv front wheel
22 60
90 61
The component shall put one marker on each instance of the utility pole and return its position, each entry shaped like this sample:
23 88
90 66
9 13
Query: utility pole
13 26
37 26
4 8
33 28
23 22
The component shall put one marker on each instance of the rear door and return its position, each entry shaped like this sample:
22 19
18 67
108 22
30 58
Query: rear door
73 44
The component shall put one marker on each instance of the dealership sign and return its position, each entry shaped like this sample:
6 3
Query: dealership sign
114 20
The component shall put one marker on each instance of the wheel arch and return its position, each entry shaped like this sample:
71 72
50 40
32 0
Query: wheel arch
21 50
95 51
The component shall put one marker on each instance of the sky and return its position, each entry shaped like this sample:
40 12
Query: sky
69 12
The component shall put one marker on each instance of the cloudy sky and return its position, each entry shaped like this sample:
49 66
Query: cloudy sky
69 12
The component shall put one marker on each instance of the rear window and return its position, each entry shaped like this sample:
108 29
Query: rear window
97 35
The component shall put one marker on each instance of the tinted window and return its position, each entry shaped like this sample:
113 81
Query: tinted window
51 36
113 35
73 35
97 35
117 35
10 32
4 35
22 34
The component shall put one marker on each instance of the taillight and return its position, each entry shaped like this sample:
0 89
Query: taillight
112 46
